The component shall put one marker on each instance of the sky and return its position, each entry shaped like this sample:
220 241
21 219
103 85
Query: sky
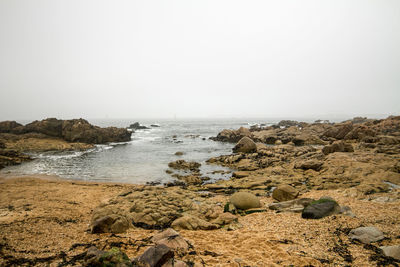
202 59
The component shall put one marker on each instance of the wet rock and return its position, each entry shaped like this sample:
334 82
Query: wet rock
179 153
245 145
155 256
113 257
391 251
184 165
137 126
245 200
320 209
284 193
312 164
296 205
337 146
9 157
232 136
366 235
189 222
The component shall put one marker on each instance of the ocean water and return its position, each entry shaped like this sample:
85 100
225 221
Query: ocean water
143 159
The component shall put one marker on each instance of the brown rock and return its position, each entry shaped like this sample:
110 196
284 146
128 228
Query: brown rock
155 256
189 222
337 146
284 193
8 126
245 145
245 200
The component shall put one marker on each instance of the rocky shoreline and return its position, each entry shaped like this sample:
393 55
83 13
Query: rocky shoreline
302 194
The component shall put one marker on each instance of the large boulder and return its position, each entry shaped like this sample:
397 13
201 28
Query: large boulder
320 209
245 145
366 235
154 256
137 126
232 136
109 219
245 201
338 131
171 239
284 193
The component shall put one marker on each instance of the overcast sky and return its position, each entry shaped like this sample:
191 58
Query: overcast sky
149 59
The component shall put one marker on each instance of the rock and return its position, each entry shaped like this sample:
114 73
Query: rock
113 223
189 222
366 235
296 205
337 146
312 164
320 208
184 165
225 218
9 157
240 174
113 257
8 126
137 126
232 136
175 263
339 131
171 239
284 193
179 153
155 256
154 125
245 145
391 251
245 200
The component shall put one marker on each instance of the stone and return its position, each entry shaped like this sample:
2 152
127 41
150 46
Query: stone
112 223
320 209
175 263
155 256
184 165
296 205
337 146
190 222
171 239
137 126
225 218
391 251
240 174
366 235
8 126
113 257
245 145
284 193
179 153
312 164
245 200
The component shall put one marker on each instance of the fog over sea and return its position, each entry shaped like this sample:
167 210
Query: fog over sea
143 159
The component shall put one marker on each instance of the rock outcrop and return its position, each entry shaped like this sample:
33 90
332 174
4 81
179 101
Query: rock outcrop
245 145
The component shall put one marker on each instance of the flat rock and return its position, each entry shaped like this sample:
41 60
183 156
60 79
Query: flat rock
189 222
366 235
296 205
391 251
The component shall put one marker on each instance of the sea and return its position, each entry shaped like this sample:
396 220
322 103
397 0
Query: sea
145 158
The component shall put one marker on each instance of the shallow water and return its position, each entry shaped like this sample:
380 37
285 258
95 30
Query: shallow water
145 158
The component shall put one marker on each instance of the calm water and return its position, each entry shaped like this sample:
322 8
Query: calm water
145 158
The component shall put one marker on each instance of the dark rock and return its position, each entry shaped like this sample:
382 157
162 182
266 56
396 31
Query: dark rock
320 208
8 126
155 256
179 153
137 126
154 125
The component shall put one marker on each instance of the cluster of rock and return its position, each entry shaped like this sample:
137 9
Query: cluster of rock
77 130
52 134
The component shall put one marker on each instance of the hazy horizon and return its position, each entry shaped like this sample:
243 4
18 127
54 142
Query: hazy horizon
199 59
